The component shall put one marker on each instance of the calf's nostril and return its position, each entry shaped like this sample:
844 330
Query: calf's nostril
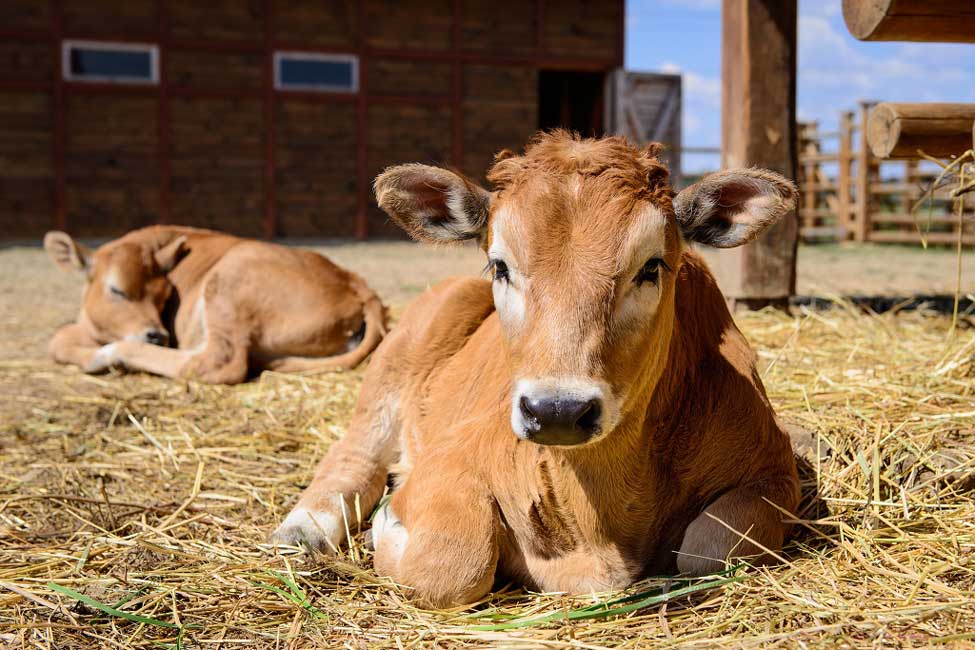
588 418
155 337
529 413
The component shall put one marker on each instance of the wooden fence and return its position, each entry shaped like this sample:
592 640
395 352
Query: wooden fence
846 193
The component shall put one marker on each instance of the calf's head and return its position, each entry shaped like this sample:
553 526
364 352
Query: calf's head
584 240
125 286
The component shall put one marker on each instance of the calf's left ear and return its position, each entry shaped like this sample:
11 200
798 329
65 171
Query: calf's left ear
167 256
732 207
433 204
68 254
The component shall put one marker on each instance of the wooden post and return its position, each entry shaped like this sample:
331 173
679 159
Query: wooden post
363 186
807 213
59 111
907 192
843 175
803 173
758 95
270 171
861 226
940 130
941 21
163 148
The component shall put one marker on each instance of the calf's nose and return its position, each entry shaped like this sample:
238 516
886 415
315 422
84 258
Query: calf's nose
560 421
157 337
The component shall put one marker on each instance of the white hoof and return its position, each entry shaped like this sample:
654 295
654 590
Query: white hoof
316 531
103 359
388 533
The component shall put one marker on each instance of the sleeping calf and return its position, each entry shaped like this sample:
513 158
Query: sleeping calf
588 416
228 306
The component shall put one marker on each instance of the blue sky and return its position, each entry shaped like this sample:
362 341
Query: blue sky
835 70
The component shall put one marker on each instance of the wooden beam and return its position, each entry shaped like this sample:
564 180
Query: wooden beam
270 163
758 95
928 21
456 88
900 130
363 186
844 173
163 148
861 225
59 111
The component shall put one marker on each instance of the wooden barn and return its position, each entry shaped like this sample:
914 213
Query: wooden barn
271 117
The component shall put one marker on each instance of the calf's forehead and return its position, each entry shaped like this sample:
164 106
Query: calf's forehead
554 224
124 263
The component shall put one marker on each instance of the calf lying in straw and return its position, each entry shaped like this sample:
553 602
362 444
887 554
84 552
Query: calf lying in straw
231 306
588 416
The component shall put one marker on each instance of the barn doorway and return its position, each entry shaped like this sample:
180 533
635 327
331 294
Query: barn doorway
571 100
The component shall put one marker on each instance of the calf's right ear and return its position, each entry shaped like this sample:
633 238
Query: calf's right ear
68 254
433 204
732 207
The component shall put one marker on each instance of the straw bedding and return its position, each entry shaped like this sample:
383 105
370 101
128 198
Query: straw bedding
133 512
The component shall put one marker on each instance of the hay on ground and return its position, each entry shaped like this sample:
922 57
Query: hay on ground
151 499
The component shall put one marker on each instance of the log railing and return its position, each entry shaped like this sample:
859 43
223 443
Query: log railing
848 193
937 21
939 130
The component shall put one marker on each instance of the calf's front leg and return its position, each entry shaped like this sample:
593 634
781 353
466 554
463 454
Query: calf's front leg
221 361
740 524
72 344
437 537
351 477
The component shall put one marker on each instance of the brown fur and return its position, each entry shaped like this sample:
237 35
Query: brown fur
694 439
233 306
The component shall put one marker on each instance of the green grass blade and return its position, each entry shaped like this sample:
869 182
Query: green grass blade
136 618
133 595
730 571
294 595
602 610
287 595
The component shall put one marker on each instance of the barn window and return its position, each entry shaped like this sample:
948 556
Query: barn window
316 72
136 63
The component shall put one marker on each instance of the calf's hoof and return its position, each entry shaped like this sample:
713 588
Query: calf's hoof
103 359
315 531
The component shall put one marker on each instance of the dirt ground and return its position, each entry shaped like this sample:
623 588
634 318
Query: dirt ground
35 297
153 498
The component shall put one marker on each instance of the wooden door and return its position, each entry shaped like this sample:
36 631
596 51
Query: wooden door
646 107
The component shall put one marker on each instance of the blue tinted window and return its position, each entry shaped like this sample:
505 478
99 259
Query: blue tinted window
85 62
316 73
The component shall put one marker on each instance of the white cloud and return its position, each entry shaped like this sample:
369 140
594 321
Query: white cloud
704 89
697 87
831 61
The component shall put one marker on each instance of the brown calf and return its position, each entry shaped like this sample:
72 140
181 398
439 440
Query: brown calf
229 305
589 416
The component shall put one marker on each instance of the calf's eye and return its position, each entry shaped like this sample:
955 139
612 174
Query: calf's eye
115 291
500 270
650 271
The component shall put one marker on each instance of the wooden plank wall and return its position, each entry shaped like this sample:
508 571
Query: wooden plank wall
441 81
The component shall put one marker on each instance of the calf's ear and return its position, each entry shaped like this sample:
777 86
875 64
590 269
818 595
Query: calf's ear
167 256
732 207
68 254
433 204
